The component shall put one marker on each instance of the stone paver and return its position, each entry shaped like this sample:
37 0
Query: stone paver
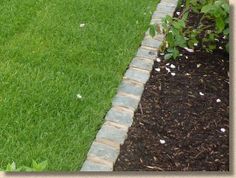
158 36
125 101
96 167
153 43
98 150
120 116
137 75
158 14
144 53
113 135
131 87
144 64
156 21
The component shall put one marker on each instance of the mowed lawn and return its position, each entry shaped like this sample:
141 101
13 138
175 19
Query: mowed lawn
46 59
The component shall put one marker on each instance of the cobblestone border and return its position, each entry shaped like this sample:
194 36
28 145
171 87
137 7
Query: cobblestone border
105 149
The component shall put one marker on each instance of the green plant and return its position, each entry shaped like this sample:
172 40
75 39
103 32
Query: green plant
178 36
218 12
35 167
175 38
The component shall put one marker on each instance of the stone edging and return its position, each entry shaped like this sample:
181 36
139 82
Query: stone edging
105 149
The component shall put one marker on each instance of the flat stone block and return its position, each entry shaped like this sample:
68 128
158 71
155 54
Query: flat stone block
103 151
158 14
90 166
131 88
166 5
151 43
137 75
158 36
145 53
111 133
120 116
125 101
171 2
144 64
156 21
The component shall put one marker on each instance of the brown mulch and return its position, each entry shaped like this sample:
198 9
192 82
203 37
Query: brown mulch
174 110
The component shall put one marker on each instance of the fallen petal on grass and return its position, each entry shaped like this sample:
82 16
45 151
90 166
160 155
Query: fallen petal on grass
79 96
81 25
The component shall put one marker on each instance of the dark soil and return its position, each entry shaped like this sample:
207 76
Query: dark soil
172 109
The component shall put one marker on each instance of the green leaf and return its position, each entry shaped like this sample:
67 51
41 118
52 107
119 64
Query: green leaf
168 56
226 7
207 8
43 165
11 167
180 41
170 39
220 25
226 32
39 166
175 53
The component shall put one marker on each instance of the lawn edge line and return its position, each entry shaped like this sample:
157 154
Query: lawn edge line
117 121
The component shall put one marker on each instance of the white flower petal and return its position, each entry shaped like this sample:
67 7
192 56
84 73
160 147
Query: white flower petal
78 96
222 130
162 141
178 13
189 50
81 25
199 65
173 74
168 70
157 69
172 66
158 60
202 94
218 100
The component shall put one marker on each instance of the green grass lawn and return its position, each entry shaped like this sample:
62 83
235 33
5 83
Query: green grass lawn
46 59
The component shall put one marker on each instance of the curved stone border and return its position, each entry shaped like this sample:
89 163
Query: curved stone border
105 149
